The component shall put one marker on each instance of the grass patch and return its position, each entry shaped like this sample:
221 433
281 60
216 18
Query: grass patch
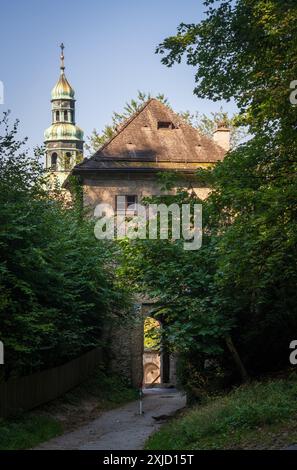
27 431
258 415
98 393
108 390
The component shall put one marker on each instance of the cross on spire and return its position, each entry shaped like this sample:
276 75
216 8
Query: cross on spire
62 66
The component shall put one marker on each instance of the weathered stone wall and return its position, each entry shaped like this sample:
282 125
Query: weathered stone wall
125 351
172 369
102 190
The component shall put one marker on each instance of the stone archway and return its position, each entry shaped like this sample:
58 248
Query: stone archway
151 352
158 365
126 352
151 372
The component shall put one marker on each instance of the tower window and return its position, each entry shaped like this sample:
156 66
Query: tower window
67 160
65 116
54 158
58 116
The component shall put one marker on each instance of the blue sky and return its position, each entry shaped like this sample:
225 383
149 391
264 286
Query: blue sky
109 55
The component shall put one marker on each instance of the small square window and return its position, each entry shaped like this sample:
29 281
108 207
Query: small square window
131 201
126 203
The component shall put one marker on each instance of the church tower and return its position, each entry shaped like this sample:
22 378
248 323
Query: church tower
63 139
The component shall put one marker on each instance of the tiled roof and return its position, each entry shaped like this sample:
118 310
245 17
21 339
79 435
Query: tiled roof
153 139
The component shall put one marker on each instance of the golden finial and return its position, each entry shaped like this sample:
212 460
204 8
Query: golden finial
62 66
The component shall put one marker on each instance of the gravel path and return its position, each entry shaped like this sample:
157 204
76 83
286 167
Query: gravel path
122 428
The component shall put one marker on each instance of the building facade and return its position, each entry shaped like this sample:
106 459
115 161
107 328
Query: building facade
153 141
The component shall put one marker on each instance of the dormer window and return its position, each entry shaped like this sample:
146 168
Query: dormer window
166 125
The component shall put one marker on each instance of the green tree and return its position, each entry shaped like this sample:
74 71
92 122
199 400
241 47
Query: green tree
207 124
57 282
243 50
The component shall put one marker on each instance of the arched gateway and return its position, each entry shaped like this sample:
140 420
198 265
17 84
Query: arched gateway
159 366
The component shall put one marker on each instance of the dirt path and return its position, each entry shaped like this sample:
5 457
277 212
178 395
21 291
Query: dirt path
121 428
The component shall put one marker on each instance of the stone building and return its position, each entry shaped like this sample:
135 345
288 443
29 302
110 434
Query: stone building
153 141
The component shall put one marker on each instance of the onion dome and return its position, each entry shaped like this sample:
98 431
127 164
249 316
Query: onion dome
63 131
62 90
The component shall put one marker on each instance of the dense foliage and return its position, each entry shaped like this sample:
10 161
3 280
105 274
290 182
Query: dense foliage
256 416
57 282
151 334
243 50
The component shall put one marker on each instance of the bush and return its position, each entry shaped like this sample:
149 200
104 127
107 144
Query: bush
57 282
231 420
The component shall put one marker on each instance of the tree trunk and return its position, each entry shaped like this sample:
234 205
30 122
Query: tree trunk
234 353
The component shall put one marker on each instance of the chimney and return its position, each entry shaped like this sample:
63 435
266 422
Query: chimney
222 136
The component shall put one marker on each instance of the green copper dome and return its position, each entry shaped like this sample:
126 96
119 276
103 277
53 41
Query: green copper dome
63 128
63 131
62 90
